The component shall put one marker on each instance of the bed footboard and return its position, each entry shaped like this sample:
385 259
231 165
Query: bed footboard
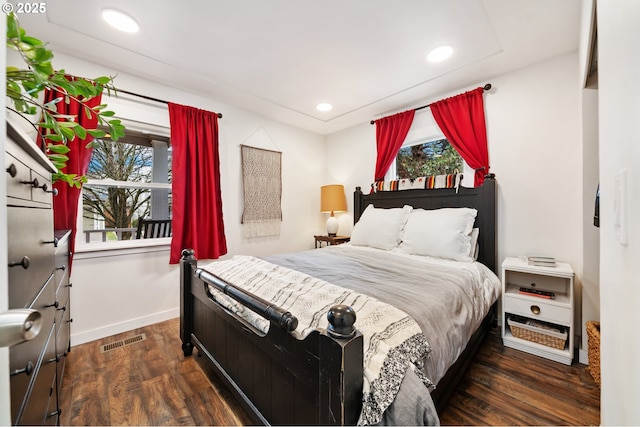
277 378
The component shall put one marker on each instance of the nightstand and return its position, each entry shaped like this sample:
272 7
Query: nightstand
537 325
330 240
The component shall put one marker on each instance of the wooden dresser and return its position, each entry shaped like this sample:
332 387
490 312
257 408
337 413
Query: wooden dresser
38 279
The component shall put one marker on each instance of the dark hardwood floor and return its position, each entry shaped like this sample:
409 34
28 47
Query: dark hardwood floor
151 383
504 386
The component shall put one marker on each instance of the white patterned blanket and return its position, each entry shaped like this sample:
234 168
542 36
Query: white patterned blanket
393 341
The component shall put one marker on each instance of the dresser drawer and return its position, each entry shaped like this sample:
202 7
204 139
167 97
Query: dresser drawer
62 298
45 304
34 410
41 194
547 312
17 173
63 340
30 229
28 352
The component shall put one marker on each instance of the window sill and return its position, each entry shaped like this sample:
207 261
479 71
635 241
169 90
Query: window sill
126 247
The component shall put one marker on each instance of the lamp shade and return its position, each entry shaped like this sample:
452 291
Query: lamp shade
332 198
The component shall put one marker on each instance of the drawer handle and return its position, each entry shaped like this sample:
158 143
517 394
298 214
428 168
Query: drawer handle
34 183
58 357
53 242
53 191
25 262
12 170
44 187
535 309
61 268
26 370
55 304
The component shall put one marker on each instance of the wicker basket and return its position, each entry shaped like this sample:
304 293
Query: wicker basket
593 351
542 336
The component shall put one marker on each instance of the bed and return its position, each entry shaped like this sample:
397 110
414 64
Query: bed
325 374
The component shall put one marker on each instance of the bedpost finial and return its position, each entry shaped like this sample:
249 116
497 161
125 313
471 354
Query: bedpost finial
289 322
341 320
188 253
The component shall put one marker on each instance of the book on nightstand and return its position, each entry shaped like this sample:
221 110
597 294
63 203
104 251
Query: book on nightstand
541 260
537 293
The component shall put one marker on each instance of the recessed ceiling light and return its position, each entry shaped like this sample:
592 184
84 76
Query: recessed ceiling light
120 20
439 54
323 106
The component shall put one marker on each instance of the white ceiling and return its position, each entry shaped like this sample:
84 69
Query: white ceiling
282 57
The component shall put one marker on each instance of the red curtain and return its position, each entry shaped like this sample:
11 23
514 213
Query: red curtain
390 134
197 203
461 119
65 204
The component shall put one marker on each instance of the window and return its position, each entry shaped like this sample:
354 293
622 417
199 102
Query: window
435 157
127 180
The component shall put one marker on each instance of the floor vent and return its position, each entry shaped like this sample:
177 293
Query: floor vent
122 343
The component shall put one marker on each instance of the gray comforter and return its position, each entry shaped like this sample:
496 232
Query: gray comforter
447 299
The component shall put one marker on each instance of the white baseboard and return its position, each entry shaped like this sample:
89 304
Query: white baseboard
117 328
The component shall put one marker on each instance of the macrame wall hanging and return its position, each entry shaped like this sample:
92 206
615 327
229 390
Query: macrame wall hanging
262 186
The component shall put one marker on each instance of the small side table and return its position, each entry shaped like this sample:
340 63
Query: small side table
559 311
330 240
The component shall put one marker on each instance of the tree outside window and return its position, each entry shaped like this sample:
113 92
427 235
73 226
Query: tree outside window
430 158
128 180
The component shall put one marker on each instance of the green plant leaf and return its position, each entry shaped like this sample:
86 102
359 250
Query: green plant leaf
103 80
13 29
57 157
68 124
97 133
58 148
67 133
32 41
54 137
80 132
59 165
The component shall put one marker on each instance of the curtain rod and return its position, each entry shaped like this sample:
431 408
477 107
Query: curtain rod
485 87
150 98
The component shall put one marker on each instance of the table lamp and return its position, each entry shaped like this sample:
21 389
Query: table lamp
332 199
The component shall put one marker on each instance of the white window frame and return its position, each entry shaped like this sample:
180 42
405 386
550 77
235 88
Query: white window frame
81 245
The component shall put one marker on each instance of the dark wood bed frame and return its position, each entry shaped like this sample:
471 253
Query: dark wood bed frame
279 379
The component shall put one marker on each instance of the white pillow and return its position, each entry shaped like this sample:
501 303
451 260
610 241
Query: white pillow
442 233
380 228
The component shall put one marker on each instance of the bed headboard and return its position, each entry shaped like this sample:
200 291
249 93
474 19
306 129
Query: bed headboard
483 198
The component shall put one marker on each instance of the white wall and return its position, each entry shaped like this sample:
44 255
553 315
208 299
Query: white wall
619 116
533 127
131 288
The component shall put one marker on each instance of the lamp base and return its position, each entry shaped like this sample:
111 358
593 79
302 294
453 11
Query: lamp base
332 226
